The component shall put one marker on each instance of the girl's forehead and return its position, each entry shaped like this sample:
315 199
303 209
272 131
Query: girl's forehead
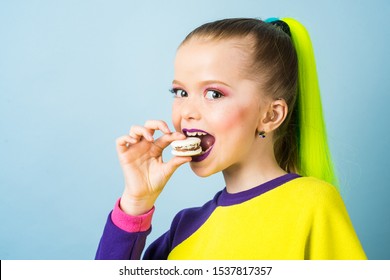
213 59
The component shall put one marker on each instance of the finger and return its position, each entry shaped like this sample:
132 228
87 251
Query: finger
137 132
157 125
174 163
167 139
123 142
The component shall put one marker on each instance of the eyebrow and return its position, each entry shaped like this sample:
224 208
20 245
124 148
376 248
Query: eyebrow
207 82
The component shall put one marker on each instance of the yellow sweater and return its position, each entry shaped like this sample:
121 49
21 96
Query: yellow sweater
297 218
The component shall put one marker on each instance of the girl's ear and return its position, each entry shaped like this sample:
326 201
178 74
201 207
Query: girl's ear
274 117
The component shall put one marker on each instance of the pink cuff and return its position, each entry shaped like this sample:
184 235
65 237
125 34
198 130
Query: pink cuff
131 223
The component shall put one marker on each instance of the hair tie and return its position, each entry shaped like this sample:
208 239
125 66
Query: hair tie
281 24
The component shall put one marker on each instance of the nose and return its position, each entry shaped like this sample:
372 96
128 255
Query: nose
190 109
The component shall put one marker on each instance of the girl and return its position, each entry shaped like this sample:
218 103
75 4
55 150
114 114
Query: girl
249 90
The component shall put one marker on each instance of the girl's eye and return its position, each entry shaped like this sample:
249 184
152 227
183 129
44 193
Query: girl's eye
179 93
213 94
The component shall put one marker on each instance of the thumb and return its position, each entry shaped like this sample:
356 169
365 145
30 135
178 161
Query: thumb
175 162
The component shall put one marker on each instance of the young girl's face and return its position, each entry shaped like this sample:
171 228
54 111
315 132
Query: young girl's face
214 97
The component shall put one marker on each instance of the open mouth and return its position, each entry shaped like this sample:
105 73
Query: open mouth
206 141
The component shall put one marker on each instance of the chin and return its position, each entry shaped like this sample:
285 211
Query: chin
202 171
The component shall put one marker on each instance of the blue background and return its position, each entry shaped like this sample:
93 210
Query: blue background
76 74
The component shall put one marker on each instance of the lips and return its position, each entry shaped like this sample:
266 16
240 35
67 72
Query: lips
206 142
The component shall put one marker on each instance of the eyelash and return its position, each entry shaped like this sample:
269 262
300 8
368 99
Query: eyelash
220 95
175 92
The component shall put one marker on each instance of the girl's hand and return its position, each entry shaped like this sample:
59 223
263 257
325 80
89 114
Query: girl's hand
145 173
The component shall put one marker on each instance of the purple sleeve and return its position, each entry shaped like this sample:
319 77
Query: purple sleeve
117 244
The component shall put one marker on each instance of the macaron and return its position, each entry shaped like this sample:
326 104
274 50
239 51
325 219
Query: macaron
187 147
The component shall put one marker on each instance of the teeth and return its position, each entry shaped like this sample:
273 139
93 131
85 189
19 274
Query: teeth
196 133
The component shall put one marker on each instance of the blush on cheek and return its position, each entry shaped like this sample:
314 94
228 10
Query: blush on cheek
234 117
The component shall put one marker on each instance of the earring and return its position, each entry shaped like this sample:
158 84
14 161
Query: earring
262 134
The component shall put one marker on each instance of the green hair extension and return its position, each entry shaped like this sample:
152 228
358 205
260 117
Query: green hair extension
314 155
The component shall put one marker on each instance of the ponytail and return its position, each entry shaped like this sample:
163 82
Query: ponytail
314 158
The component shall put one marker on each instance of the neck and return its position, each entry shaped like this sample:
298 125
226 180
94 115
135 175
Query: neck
254 171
